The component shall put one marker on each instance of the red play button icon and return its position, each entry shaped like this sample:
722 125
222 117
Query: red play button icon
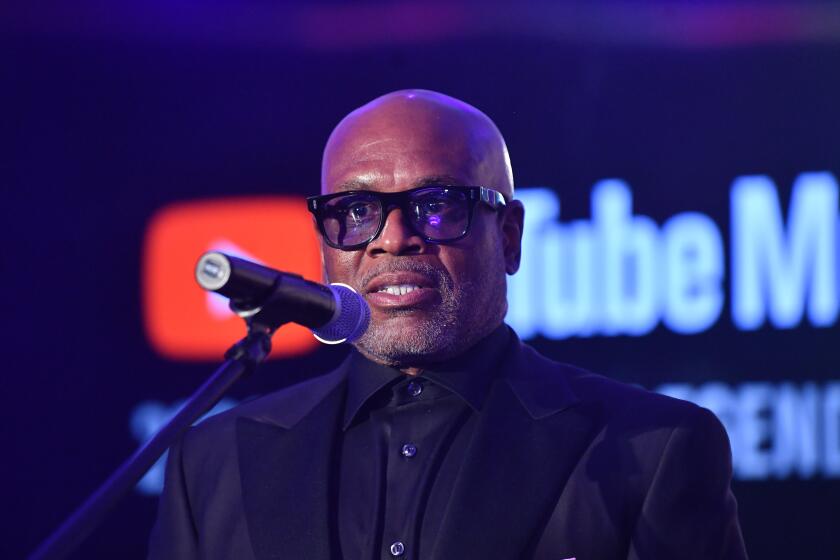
184 322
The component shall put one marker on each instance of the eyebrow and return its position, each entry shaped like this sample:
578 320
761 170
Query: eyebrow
354 185
429 180
438 180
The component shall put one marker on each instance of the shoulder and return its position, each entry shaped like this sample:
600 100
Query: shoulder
625 399
631 429
617 405
660 420
282 408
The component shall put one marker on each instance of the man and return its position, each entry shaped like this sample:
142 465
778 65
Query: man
442 435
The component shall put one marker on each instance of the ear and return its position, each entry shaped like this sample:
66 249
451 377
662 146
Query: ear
513 220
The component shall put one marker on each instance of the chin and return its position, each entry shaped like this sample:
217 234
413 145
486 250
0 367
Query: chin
408 341
414 336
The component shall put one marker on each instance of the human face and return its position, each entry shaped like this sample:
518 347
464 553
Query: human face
428 301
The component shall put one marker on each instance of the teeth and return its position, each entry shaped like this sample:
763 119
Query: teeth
400 290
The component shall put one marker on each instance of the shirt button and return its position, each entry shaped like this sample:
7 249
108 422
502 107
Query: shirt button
397 548
409 450
414 388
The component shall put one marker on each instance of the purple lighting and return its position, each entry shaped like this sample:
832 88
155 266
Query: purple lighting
336 26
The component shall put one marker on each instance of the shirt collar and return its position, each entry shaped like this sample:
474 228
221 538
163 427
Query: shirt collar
468 375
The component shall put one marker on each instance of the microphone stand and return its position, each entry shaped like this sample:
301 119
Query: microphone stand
241 359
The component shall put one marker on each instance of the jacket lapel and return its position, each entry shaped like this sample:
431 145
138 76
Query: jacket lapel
285 452
528 440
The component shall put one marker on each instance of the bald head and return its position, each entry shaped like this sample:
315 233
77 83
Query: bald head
429 300
401 131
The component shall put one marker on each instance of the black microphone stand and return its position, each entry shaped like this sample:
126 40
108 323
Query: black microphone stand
241 359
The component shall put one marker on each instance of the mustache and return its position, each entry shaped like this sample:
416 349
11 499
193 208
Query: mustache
438 275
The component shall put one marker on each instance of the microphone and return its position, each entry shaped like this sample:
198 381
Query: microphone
334 313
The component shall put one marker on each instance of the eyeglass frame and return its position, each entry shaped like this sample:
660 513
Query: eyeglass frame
388 200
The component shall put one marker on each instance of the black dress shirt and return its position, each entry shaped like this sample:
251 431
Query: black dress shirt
404 439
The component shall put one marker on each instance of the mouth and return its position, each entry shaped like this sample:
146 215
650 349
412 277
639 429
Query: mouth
401 290
398 290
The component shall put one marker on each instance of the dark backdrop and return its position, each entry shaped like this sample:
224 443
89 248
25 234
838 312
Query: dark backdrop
106 124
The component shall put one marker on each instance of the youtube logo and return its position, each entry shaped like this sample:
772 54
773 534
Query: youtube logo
184 322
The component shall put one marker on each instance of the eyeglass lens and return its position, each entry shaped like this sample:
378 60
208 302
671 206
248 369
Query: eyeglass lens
438 214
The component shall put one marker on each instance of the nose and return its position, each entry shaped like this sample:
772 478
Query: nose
397 237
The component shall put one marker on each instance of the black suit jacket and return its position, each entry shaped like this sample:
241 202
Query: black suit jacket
562 464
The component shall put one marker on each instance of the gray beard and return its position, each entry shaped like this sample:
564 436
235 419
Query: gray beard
455 324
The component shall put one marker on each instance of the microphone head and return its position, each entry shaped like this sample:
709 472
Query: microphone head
213 270
351 319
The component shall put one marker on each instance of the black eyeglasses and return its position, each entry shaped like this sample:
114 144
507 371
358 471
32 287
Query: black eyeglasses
350 220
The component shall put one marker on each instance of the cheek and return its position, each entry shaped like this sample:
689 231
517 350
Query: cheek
487 245
338 265
474 262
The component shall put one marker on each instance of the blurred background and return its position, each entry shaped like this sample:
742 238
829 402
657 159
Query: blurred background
678 161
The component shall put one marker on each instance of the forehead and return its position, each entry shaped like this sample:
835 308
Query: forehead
396 149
